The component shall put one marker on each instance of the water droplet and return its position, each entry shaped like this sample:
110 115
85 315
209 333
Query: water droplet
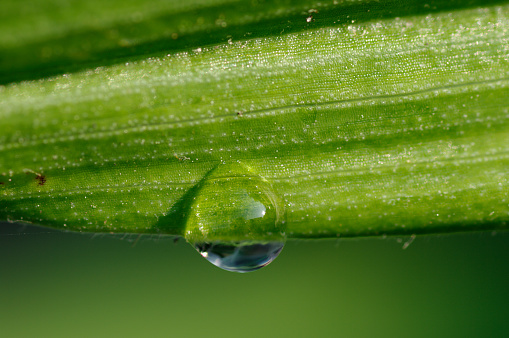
240 257
236 220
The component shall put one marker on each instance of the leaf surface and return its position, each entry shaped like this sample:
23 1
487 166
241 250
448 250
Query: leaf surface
365 117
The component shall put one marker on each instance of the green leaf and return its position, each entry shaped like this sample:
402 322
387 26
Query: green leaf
364 117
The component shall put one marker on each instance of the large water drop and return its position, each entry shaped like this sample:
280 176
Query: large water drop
236 220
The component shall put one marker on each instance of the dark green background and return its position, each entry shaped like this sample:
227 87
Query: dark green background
56 284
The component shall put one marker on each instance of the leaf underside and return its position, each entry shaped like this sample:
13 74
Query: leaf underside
366 117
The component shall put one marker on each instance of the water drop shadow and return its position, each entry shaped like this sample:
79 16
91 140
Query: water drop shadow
174 222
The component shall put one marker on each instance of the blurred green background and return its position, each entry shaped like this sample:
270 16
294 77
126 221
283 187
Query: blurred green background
56 284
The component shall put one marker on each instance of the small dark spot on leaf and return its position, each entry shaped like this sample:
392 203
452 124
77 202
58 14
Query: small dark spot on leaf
239 113
41 179
2 183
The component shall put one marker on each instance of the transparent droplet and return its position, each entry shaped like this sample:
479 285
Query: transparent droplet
240 257
235 219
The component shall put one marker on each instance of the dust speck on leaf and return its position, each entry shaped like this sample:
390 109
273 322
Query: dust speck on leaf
41 179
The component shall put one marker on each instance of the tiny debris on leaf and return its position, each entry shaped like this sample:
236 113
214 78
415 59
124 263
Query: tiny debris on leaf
41 179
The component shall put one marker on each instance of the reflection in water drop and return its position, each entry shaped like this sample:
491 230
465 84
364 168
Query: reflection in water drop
236 220
240 257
